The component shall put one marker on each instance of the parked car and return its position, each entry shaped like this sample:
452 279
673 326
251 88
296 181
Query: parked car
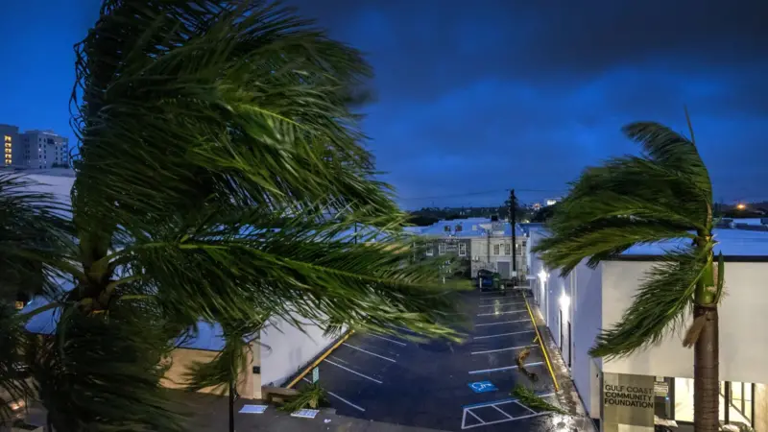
488 280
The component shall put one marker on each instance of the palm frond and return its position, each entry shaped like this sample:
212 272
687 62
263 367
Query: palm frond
672 151
237 105
34 231
241 273
626 201
659 307
13 339
103 371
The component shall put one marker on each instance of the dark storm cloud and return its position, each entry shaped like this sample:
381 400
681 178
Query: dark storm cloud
491 94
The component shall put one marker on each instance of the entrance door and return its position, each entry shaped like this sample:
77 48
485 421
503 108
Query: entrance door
570 345
560 324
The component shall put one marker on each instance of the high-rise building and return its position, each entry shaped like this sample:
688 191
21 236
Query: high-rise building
40 149
12 148
44 149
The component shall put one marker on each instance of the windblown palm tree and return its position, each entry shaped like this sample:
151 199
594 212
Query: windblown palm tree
664 194
219 177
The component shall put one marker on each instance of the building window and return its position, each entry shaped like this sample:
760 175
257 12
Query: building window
462 249
736 396
430 251
441 248
495 249
507 249
7 139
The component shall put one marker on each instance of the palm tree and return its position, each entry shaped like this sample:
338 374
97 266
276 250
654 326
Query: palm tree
220 176
664 194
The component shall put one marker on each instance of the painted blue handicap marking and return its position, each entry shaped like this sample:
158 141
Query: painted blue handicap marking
482 387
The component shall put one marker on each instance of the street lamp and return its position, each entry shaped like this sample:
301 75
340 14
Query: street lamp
741 206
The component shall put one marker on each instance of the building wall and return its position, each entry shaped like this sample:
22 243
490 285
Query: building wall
482 260
249 385
43 149
285 349
742 311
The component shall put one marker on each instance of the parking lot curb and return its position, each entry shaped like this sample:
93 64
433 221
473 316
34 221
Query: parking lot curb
319 359
541 344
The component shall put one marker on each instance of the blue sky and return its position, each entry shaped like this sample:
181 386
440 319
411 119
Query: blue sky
476 97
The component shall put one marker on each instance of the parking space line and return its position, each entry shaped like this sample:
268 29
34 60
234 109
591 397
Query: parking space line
475 416
468 409
345 401
354 372
502 313
502 334
341 398
368 352
499 410
388 340
503 349
475 372
501 304
500 323
517 402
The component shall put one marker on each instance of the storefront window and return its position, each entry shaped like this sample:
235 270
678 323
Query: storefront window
736 396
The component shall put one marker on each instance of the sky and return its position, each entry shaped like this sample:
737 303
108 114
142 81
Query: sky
474 98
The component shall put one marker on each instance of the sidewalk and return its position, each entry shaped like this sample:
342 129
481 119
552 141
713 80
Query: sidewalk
567 396
210 414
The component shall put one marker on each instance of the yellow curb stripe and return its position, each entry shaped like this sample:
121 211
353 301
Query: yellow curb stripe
541 344
319 359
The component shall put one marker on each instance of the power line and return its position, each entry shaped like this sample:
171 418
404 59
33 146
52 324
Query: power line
480 193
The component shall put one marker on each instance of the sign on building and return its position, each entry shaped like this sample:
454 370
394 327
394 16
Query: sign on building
627 402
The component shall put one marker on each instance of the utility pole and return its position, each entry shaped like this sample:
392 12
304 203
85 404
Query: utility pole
512 208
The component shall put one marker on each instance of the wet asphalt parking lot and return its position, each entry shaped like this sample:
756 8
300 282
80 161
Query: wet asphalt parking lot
444 385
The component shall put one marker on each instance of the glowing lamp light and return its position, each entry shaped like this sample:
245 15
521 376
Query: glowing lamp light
543 275
565 301
741 206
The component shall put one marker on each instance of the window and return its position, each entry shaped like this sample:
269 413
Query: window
430 252
495 249
462 249
507 249
441 248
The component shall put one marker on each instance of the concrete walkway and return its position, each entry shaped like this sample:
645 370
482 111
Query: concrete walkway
209 413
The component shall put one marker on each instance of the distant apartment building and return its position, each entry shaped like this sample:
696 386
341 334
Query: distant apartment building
44 149
485 243
34 149
12 148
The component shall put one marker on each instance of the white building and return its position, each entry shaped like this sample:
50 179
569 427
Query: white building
575 308
485 243
44 149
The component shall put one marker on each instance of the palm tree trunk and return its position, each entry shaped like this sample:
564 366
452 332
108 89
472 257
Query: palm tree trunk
705 372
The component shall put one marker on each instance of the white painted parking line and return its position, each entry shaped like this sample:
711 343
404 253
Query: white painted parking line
354 372
502 313
501 322
368 352
346 401
501 304
388 340
496 405
475 372
341 398
503 334
503 349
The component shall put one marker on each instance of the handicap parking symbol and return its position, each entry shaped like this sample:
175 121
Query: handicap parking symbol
482 387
